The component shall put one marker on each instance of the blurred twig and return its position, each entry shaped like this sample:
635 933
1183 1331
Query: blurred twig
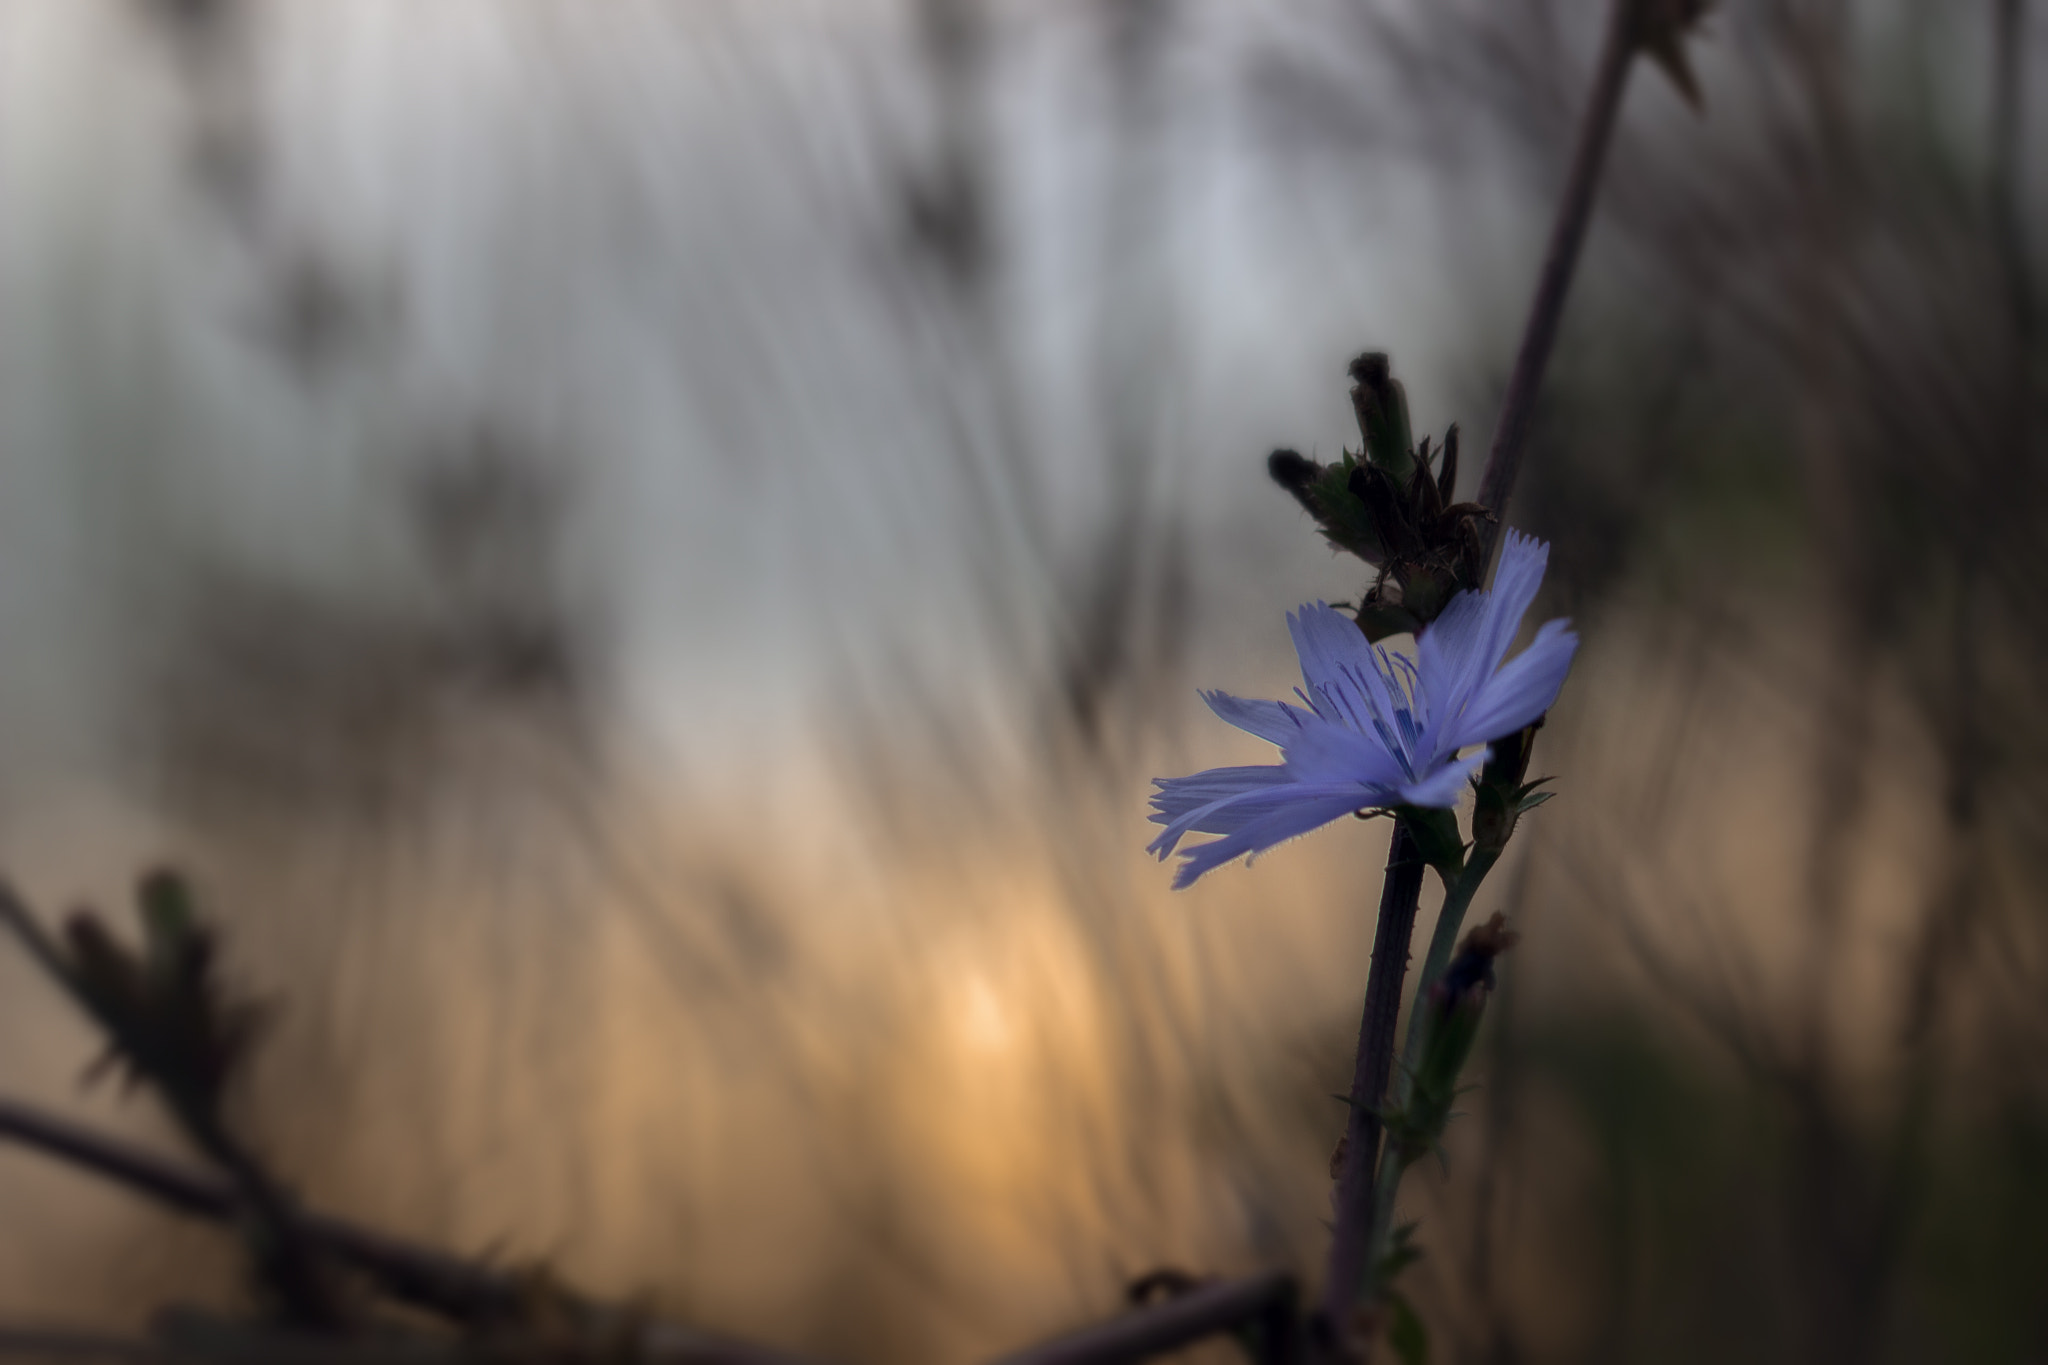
425 1279
419 1276
1568 231
1264 1300
463 1290
169 1021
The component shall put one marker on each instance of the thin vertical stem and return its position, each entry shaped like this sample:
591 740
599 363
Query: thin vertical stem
1567 233
1373 1067
2008 213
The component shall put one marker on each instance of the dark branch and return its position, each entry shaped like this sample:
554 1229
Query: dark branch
1371 1070
1567 232
416 1275
1265 1301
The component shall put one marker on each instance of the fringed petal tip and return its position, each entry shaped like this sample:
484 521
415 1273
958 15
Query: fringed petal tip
1270 822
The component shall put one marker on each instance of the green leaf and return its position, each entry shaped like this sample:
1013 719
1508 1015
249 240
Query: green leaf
1405 1332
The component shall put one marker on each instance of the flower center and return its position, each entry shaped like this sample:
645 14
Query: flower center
1387 701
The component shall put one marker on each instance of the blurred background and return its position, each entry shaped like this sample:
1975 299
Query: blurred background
643 554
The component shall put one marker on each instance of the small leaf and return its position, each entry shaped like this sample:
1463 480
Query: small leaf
1405 1332
1447 473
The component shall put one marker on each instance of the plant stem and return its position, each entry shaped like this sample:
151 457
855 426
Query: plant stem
1201 1312
1351 1236
1567 233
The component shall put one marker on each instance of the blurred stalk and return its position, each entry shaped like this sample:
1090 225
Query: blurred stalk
464 1291
1842 1226
1560 259
1958 904
1947 924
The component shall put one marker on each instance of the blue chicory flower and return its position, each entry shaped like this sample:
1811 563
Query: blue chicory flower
1381 729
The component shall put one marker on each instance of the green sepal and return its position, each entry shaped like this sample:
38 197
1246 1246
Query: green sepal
1386 504
1447 469
1500 796
1493 815
1400 1254
1381 405
1324 492
1425 592
1436 837
1379 620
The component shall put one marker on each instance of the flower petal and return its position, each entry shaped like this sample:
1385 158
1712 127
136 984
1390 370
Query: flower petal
1450 656
1461 663
1325 751
1516 578
1242 798
1306 811
1273 721
1327 642
1182 796
1231 812
1523 690
1446 784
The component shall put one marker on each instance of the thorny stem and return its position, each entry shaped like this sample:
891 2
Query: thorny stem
1567 233
1349 1239
1951 916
